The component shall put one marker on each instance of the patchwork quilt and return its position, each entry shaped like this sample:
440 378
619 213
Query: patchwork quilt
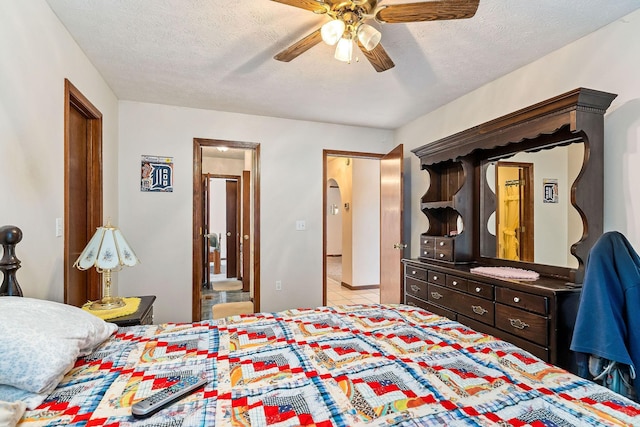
359 365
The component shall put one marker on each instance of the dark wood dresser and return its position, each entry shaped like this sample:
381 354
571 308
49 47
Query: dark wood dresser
536 317
467 203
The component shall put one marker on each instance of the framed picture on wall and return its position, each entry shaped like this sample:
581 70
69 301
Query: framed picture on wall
156 174
550 188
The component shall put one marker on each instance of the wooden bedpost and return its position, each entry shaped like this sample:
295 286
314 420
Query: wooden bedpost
10 236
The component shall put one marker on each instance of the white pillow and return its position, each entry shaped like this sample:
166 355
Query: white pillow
12 394
41 340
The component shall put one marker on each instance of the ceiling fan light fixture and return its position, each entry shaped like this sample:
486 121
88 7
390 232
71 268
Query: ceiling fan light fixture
344 50
368 36
332 31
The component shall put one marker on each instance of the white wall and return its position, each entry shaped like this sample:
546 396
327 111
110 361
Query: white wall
36 55
606 60
158 225
366 222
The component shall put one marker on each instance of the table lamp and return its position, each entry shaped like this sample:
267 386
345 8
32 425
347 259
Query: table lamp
107 251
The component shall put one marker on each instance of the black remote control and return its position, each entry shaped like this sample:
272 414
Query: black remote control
152 404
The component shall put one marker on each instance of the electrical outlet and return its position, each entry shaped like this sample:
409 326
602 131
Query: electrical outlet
301 225
278 285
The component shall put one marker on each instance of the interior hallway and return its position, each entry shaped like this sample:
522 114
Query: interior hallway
210 297
338 294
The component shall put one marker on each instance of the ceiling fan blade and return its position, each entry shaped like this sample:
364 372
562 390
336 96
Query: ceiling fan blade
299 47
312 5
427 11
377 57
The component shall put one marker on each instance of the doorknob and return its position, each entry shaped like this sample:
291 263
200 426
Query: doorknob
399 246
246 237
228 234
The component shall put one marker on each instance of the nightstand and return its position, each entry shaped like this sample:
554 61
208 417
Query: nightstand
144 315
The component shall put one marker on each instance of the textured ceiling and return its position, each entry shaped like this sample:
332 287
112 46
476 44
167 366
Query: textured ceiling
219 55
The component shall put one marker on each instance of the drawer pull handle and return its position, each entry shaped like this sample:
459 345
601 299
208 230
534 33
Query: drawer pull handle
516 300
436 295
479 310
518 324
413 272
415 288
454 283
441 243
411 304
435 278
426 252
478 289
441 255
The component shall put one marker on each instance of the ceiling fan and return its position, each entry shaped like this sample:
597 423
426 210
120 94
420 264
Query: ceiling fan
348 25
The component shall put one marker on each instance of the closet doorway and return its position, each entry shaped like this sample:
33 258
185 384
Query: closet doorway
226 232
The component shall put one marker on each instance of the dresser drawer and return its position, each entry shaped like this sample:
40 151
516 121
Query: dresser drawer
535 349
536 303
467 305
415 302
522 324
437 277
455 282
444 255
483 290
477 308
416 288
416 273
427 252
444 244
428 242
444 297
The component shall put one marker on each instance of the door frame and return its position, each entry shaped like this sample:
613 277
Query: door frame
73 98
197 232
325 155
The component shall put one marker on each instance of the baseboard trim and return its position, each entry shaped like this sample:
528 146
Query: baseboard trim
355 288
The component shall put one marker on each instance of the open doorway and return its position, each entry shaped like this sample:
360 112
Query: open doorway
363 233
226 235
514 211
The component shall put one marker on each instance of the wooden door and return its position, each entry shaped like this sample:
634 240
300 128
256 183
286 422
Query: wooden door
233 251
391 226
206 213
246 230
83 193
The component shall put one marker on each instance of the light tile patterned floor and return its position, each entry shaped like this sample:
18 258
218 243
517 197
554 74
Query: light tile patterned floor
339 295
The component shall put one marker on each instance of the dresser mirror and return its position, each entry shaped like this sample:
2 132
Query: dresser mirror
528 215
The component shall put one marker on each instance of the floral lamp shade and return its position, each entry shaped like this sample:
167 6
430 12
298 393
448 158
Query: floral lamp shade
107 251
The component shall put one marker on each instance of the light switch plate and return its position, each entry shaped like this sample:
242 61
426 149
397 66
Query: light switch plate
58 227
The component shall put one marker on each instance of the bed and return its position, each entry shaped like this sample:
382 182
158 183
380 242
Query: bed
343 366
356 365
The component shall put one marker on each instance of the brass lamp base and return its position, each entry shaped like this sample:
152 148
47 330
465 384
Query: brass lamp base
107 303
